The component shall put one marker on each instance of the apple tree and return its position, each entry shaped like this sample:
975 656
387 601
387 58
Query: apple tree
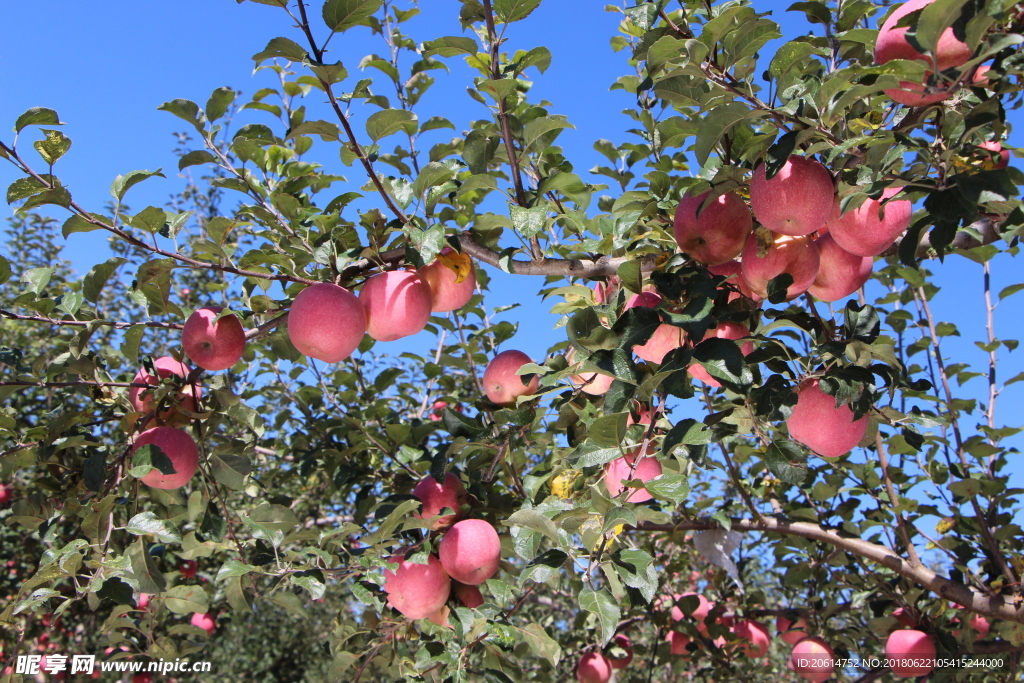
762 448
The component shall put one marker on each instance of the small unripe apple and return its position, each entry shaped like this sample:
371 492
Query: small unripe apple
397 304
797 200
207 622
470 551
188 568
501 383
862 232
718 233
435 497
813 659
756 636
326 322
417 590
622 643
726 330
448 294
179 447
797 256
840 273
892 44
791 632
911 652
619 470
818 424
593 667
142 400
213 344
665 338
470 596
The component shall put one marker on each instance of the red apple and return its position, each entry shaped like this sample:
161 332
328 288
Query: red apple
470 596
665 338
6 493
417 590
435 497
726 330
501 383
440 617
397 304
207 622
470 551
813 660
700 614
593 667
756 636
179 447
326 322
797 200
912 653
622 643
791 632
144 600
718 233
448 292
892 44
188 568
840 273
677 642
142 400
903 617
980 78
797 256
618 471
862 232
819 425
213 344
995 164
142 678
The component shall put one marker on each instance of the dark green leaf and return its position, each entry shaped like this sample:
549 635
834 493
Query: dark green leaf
282 48
390 121
37 116
340 15
783 459
194 158
449 46
186 110
123 183
5 270
508 11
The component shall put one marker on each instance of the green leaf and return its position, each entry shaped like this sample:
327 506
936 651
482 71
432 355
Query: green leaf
608 430
5 270
779 458
70 302
605 607
230 470
541 132
531 519
935 18
186 110
507 11
527 222
313 581
218 104
148 524
687 432
390 121
327 131
37 279
150 457
123 183
282 48
717 123
148 578
540 643
673 487
53 147
194 158
187 600
450 46
37 116
24 187
1010 291
340 15
257 132
544 566
723 360
589 454
233 567
789 54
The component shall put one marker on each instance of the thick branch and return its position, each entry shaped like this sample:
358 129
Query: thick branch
972 601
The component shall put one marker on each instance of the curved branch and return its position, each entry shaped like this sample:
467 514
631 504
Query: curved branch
599 267
83 323
972 601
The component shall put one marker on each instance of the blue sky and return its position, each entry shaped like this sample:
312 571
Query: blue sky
107 66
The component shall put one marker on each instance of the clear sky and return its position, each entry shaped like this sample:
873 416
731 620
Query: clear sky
106 67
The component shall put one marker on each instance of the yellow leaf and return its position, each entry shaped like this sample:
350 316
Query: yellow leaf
460 264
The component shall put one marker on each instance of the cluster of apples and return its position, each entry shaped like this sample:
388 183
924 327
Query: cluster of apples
468 554
327 321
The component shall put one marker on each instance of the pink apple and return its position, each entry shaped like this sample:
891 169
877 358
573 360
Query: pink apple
448 294
797 200
912 653
718 233
470 596
142 400
623 643
726 330
818 424
213 344
840 273
6 493
677 642
791 632
813 660
593 667
501 383
470 551
732 270
179 447
797 256
417 590
980 78
326 322
904 618
397 304
999 162
665 338
892 44
144 599
872 227
754 636
621 469
207 622
435 497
